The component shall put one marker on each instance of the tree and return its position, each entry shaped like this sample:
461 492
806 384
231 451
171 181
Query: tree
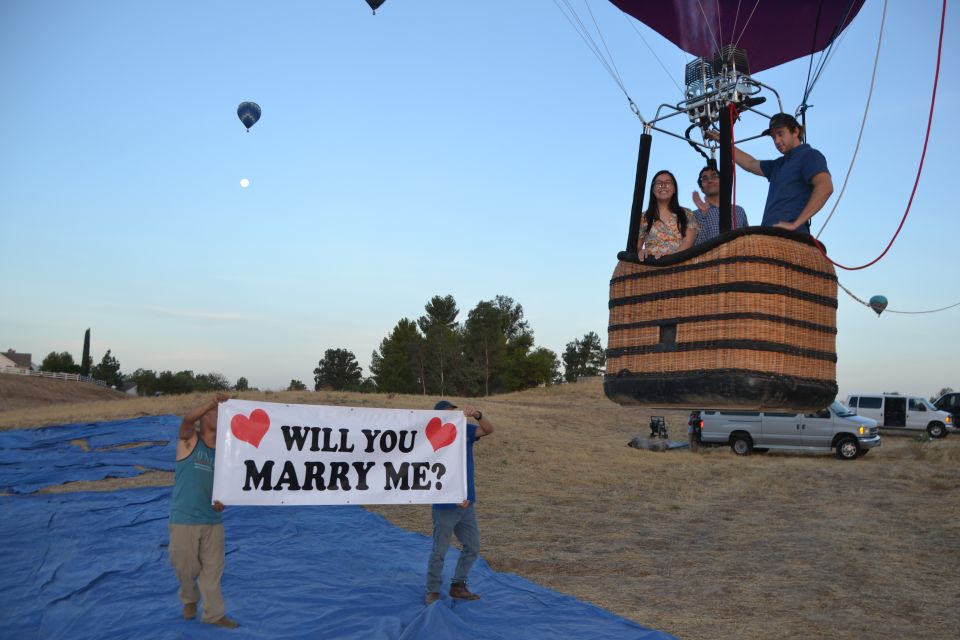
439 327
171 383
296 385
583 357
398 367
338 370
514 324
59 362
485 346
108 370
943 391
146 381
210 382
242 384
85 360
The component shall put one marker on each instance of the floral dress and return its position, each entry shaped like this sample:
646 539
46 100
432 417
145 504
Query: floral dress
662 238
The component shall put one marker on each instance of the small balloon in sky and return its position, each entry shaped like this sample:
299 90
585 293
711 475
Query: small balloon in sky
249 113
878 304
244 183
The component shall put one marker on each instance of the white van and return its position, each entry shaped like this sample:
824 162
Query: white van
835 427
903 413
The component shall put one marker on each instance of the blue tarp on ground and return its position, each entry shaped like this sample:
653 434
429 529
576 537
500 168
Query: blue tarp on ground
34 458
95 565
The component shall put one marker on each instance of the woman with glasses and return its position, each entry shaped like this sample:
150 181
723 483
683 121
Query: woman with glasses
667 227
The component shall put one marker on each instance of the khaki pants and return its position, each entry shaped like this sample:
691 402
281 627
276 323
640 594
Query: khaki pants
197 556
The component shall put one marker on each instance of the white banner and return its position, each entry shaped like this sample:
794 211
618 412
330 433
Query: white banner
270 454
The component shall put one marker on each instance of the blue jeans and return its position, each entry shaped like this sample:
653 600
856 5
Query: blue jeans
463 524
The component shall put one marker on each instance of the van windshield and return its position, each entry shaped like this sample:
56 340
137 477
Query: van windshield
841 409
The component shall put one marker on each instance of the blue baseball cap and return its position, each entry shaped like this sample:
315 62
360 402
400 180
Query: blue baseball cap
443 405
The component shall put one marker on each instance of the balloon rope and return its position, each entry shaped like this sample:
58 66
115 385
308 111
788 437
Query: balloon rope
633 25
574 19
716 41
863 122
736 44
926 140
867 304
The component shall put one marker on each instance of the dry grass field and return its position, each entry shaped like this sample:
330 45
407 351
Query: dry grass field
706 545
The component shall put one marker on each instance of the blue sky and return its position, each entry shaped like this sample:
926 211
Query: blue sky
463 148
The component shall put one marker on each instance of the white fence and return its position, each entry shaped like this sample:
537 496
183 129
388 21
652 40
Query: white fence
74 377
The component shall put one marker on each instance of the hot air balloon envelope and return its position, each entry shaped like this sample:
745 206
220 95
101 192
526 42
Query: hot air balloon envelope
375 4
771 32
249 113
878 304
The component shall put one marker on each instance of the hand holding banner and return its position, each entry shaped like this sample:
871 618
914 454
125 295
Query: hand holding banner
274 454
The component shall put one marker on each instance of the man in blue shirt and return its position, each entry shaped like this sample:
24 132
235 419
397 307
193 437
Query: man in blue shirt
708 212
458 519
800 182
196 530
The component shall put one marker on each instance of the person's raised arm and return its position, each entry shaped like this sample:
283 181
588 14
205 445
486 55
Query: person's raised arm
822 190
188 428
699 202
486 427
746 161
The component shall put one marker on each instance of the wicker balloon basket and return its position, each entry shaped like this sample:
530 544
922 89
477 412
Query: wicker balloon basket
746 321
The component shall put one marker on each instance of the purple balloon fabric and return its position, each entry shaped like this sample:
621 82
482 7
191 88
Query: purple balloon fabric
771 32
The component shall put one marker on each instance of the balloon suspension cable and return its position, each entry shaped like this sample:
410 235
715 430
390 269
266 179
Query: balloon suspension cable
825 56
863 121
636 112
867 304
736 44
605 60
923 155
632 23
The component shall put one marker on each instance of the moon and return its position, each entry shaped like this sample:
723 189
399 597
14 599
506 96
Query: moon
244 183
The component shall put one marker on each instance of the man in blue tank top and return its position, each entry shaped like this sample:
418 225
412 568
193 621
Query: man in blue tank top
196 530
800 182
458 519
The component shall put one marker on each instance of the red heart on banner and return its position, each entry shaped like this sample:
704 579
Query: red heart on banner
251 429
440 434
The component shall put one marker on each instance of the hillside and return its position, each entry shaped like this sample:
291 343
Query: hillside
28 392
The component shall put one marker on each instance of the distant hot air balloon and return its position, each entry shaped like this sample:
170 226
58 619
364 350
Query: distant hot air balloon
375 4
249 113
878 304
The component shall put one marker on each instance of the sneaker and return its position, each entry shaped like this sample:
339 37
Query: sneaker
190 611
226 622
431 597
459 590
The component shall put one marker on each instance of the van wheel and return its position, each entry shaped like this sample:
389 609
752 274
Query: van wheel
936 430
847 448
741 444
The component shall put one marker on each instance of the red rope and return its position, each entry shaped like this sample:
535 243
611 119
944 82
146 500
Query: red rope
926 139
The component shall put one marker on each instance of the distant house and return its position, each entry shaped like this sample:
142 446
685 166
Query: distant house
20 360
129 387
